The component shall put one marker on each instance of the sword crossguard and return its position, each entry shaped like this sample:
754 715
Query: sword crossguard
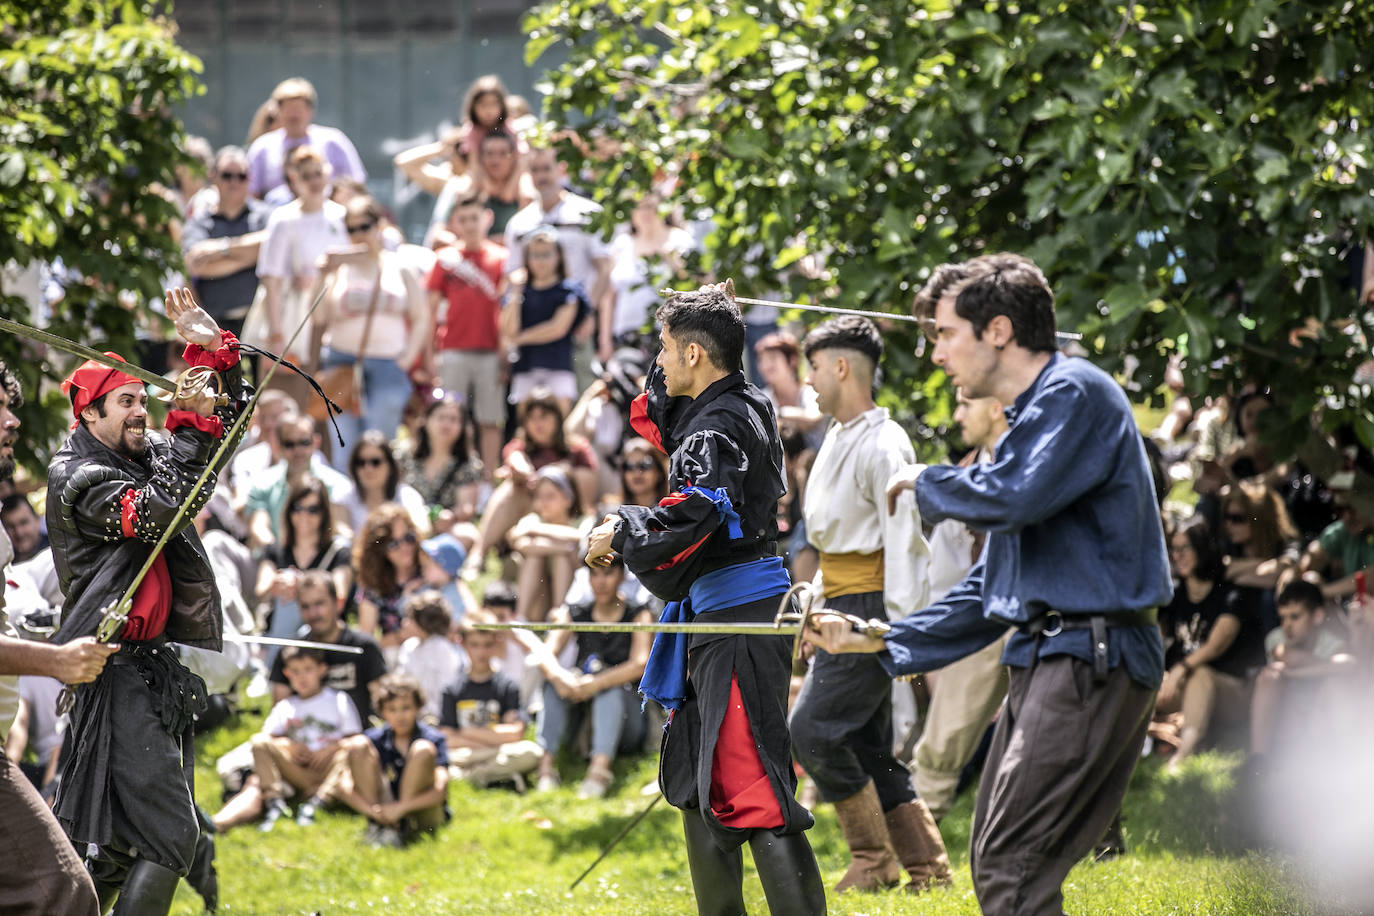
805 595
112 622
197 382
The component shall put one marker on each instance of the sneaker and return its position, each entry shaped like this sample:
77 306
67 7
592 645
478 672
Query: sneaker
275 809
547 782
305 814
595 784
384 837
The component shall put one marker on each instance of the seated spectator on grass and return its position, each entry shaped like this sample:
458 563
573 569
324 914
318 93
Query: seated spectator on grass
377 479
442 469
441 560
603 680
539 442
386 565
294 752
1302 652
643 476
397 772
1260 543
307 543
259 449
499 601
547 542
428 655
1343 549
36 727
601 415
322 613
480 714
299 441
1212 641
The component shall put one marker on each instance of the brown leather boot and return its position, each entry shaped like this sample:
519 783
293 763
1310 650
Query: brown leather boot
919 846
873 865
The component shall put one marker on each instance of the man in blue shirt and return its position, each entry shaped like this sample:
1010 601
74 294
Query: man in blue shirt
1074 561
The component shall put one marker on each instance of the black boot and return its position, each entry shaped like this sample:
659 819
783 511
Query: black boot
717 876
148 890
202 876
787 869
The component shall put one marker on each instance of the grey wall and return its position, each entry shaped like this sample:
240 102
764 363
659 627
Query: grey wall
387 74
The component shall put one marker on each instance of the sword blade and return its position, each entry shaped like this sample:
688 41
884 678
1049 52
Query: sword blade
719 629
283 641
75 349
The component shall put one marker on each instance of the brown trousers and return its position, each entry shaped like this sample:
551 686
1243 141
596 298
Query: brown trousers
1062 755
40 872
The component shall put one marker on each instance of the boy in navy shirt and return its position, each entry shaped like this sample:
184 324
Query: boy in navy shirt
399 771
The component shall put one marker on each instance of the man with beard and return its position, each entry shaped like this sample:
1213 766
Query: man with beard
710 548
114 488
39 870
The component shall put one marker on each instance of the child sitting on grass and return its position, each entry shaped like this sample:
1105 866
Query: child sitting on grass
480 714
397 773
428 654
294 751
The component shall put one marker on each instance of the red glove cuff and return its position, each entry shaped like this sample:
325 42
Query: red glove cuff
179 418
221 360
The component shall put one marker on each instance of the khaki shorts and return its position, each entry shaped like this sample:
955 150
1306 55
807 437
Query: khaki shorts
474 375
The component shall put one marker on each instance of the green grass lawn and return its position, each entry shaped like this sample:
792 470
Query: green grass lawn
510 854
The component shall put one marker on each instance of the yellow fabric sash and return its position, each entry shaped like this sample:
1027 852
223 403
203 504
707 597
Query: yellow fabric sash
851 573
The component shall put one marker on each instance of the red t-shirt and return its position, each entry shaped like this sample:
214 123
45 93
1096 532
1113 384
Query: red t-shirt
468 280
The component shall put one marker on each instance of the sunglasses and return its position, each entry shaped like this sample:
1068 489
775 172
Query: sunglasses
370 462
362 227
233 176
644 464
295 443
402 541
1236 518
307 508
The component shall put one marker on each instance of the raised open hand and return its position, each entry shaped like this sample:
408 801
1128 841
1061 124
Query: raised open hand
193 323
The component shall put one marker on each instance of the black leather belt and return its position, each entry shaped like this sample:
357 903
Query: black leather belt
1052 623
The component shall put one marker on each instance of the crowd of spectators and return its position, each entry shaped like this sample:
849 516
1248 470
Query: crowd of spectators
485 373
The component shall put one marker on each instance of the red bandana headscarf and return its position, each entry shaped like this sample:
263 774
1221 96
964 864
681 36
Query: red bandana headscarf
92 379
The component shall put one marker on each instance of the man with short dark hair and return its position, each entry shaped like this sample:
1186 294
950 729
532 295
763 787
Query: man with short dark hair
874 565
1074 561
322 617
1302 653
710 548
221 245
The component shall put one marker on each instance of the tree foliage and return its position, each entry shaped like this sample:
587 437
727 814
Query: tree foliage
87 89
1191 174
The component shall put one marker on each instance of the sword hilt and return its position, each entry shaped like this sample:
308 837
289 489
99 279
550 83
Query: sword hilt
112 622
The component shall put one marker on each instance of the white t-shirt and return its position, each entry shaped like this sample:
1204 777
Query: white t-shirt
636 281
572 217
435 662
295 240
326 717
409 498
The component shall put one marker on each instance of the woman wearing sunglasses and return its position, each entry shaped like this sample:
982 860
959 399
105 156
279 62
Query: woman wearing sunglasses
374 311
307 542
386 562
378 479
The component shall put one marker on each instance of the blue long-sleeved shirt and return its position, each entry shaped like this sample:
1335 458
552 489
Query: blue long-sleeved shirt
1069 506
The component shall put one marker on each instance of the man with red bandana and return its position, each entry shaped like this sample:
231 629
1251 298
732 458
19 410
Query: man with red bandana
114 487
